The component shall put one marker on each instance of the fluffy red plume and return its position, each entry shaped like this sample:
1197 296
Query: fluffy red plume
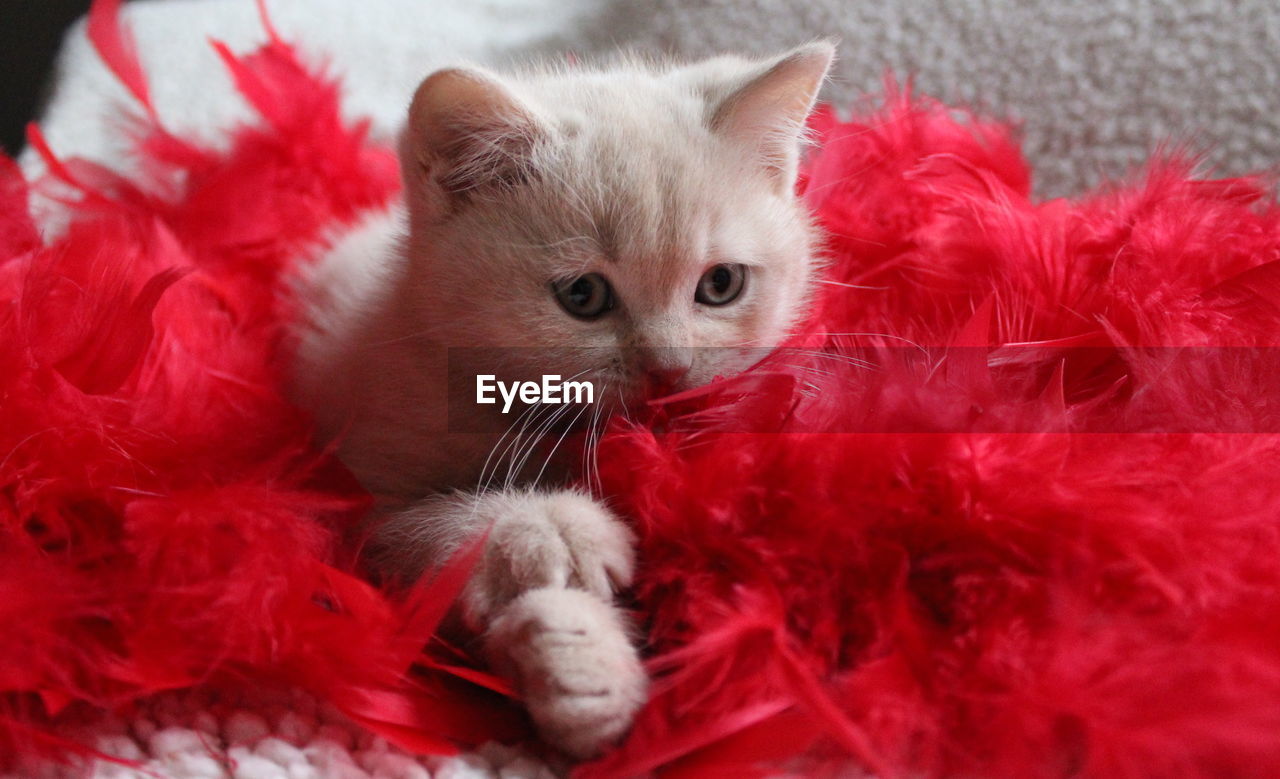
165 520
996 526
1008 508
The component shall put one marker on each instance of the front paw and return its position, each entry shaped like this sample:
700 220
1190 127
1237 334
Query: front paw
555 539
569 654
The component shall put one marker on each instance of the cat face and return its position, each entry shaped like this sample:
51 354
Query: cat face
634 227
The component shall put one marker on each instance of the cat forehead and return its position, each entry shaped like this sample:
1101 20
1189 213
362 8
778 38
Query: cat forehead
634 156
633 176
618 199
644 200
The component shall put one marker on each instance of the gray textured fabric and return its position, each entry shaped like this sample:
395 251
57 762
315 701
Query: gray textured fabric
1095 86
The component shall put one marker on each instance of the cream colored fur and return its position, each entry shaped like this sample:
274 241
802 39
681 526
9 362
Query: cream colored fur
649 175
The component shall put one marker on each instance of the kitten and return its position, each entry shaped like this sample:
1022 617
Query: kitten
614 219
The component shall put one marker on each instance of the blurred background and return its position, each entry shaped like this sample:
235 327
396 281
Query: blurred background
30 31
1095 87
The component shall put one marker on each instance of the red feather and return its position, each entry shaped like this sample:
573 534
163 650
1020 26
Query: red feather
18 234
164 519
1030 539
971 601
115 44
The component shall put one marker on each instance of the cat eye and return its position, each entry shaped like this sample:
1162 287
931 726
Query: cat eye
585 297
721 285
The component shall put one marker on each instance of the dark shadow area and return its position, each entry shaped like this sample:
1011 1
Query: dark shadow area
30 31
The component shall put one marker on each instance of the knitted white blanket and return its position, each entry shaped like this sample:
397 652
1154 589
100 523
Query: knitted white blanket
209 735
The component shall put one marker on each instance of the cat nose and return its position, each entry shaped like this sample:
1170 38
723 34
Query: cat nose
662 381
663 370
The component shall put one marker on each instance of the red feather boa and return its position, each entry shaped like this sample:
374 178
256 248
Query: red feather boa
951 582
165 520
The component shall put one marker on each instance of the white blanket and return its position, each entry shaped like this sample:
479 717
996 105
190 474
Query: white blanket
1097 85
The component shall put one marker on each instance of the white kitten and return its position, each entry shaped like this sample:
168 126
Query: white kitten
592 223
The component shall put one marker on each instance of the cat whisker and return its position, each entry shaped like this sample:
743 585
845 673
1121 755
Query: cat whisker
867 335
521 451
597 430
512 451
596 435
513 473
841 358
851 286
591 452
809 368
889 336
586 447
399 339
485 481
535 430
487 477
551 454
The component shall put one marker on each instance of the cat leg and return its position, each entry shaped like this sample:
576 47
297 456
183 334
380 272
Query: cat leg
573 660
541 596
559 538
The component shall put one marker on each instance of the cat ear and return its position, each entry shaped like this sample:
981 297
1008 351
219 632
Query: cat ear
767 114
467 132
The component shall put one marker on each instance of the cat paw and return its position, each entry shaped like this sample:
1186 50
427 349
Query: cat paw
557 539
569 654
